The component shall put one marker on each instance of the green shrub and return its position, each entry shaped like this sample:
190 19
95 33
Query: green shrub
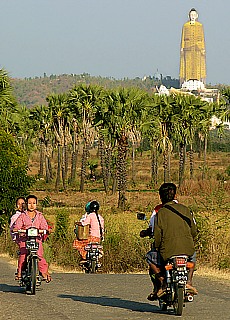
14 180
62 226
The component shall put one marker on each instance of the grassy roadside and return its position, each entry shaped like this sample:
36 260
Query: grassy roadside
124 249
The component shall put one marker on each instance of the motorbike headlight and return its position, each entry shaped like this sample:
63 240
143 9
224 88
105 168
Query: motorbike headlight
32 232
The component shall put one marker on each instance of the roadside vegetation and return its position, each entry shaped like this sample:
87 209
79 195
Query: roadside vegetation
117 146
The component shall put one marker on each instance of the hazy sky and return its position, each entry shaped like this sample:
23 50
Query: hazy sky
119 38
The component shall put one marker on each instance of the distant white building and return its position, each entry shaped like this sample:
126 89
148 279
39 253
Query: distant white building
163 90
216 122
191 85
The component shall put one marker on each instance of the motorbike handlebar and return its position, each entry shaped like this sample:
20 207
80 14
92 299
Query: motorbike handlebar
23 231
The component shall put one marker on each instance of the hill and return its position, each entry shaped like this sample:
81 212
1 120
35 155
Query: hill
33 91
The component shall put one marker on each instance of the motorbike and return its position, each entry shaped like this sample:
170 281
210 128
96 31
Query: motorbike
31 279
176 276
94 252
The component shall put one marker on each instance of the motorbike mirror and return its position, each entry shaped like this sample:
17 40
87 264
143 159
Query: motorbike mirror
141 216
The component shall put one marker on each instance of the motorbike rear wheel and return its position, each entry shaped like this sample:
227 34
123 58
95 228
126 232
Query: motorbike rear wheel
179 303
93 266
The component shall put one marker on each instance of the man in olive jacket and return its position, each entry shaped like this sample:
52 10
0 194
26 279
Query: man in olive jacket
175 229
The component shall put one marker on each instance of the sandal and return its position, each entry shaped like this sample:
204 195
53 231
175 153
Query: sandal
48 278
191 289
161 292
152 296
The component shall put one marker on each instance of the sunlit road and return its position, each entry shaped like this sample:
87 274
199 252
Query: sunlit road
103 297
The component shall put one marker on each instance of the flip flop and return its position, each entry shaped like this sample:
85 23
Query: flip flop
152 296
48 278
161 292
191 289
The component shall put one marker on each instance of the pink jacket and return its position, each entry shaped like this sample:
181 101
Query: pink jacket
92 220
13 219
24 221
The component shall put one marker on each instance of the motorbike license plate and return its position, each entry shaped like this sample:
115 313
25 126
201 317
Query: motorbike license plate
181 277
32 245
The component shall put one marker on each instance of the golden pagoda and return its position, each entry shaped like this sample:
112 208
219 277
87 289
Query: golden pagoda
192 55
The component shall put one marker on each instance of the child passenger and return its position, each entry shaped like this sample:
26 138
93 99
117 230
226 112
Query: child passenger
20 205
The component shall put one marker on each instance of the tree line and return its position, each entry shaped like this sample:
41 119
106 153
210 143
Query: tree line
119 120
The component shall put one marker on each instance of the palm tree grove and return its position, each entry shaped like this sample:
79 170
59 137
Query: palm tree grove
116 142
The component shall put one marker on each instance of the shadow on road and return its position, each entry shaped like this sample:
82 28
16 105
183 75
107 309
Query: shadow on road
7 288
114 302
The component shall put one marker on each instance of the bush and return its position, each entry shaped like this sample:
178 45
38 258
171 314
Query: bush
14 180
62 226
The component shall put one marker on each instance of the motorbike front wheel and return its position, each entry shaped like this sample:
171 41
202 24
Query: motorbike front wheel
33 275
179 303
32 268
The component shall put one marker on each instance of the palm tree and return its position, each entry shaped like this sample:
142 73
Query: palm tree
184 124
122 121
61 125
163 106
75 148
150 130
7 100
42 124
82 101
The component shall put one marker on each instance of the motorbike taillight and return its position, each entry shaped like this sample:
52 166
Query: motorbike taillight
180 261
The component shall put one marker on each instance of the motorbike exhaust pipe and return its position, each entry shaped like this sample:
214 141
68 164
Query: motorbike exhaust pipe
190 298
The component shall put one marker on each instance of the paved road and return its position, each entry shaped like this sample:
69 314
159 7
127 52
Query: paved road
103 297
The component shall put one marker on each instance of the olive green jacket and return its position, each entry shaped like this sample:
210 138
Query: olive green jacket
173 235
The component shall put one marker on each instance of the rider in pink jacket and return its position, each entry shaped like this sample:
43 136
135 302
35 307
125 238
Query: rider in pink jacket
96 228
31 218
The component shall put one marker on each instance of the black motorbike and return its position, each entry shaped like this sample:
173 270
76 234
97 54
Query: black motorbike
31 278
94 253
176 277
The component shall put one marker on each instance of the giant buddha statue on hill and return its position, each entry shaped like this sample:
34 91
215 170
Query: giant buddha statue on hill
192 56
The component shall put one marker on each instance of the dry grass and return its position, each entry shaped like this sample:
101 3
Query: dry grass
209 199
214 274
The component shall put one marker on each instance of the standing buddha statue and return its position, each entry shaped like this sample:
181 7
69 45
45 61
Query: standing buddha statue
192 55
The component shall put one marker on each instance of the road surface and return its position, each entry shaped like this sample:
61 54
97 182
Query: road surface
103 297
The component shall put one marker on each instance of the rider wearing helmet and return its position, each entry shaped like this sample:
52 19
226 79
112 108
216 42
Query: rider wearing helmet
95 221
87 207
94 206
96 227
